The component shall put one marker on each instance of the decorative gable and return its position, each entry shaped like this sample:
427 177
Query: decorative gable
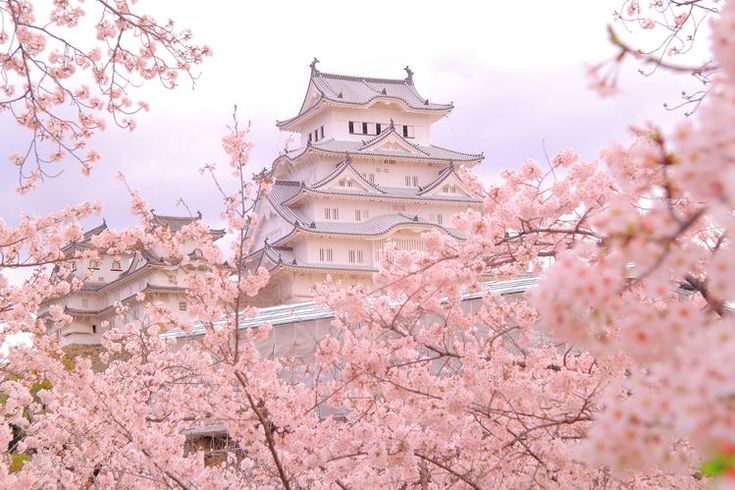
393 142
348 180
448 185
345 178
313 95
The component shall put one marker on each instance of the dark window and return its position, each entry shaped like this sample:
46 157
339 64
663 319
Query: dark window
309 137
321 132
377 128
352 127
364 128
94 328
405 131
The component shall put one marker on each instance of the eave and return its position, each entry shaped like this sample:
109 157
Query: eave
296 123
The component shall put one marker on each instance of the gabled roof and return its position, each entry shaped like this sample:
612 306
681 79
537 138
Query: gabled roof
345 167
390 140
144 257
88 235
281 192
176 223
361 91
447 174
173 223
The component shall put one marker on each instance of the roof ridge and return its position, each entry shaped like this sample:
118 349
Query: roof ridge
96 230
357 78
169 216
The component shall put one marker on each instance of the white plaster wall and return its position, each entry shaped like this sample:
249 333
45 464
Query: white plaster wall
336 122
311 170
340 247
375 208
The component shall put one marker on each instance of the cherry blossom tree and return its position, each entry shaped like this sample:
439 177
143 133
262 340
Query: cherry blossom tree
661 35
64 65
613 372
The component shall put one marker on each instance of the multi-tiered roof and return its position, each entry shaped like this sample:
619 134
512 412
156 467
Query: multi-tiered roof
355 131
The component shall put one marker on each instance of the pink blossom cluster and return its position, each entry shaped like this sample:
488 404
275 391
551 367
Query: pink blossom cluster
60 88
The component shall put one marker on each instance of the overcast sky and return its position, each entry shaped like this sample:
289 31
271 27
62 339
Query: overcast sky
514 70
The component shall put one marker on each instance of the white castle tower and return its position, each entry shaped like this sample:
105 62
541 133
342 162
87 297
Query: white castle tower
365 173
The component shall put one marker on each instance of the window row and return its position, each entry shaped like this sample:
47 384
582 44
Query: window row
353 256
361 214
95 265
316 135
331 213
374 129
326 255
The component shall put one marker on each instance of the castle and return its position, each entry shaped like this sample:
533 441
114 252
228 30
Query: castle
365 174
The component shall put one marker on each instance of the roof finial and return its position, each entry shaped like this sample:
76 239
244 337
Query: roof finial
409 75
314 70
199 214
392 125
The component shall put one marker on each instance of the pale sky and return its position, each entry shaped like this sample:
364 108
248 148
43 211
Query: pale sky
514 70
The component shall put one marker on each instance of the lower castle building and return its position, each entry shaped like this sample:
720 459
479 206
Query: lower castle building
110 282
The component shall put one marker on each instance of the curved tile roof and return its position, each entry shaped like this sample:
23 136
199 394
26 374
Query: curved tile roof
374 227
430 152
285 192
176 223
360 90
